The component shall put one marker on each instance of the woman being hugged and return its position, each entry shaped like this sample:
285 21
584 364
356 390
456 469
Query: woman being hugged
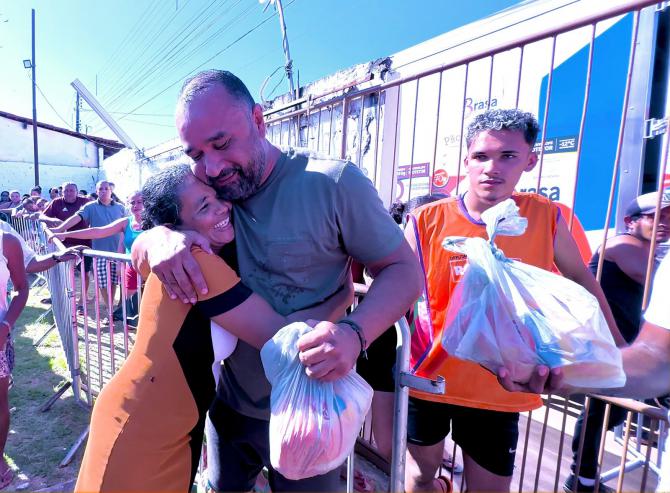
147 424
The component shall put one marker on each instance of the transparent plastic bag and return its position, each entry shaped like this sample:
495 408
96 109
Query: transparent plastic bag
313 424
505 313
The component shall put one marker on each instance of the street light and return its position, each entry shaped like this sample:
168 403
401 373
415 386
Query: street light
30 64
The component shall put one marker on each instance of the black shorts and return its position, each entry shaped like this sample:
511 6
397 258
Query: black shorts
489 437
237 449
378 369
88 264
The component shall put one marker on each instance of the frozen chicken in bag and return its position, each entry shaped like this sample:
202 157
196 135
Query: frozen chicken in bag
313 424
505 313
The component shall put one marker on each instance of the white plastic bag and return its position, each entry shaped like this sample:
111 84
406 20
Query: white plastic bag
223 343
313 424
505 313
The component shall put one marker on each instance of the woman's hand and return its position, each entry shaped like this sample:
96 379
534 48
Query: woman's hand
59 236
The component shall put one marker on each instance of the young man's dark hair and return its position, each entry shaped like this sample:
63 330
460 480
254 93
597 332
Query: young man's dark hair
512 119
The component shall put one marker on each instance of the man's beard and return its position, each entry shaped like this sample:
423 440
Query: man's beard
248 180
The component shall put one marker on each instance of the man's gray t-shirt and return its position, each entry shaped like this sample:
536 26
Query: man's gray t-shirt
97 214
295 239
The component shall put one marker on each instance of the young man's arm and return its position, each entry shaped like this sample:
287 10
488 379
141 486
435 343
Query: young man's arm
569 262
646 363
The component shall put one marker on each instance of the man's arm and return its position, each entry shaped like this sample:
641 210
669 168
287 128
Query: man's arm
330 350
67 224
569 262
51 222
167 254
646 364
331 309
631 259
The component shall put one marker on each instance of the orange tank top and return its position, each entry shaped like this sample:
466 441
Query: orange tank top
467 383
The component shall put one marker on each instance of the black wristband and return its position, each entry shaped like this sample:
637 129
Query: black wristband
359 332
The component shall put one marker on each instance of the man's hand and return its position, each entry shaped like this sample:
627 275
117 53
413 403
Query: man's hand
329 351
168 254
542 381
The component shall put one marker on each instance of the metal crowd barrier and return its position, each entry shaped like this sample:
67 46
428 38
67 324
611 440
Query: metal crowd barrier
103 342
420 118
95 351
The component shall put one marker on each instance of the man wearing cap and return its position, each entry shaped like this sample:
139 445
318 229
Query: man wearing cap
623 274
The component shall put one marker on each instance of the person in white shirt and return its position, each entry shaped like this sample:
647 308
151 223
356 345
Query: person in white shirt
38 263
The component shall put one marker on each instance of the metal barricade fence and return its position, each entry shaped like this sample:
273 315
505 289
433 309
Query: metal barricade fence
387 128
95 351
61 291
104 334
420 118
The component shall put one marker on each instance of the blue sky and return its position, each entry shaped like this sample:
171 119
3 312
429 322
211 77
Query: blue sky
141 50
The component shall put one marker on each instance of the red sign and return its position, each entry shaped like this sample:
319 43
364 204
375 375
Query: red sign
440 178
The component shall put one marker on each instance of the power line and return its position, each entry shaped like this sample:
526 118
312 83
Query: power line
173 62
155 59
121 46
165 115
49 102
150 123
152 36
205 62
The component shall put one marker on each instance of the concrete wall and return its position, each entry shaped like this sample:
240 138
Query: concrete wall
62 157
128 172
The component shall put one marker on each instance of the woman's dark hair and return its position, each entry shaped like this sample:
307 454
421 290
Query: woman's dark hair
160 194
399 210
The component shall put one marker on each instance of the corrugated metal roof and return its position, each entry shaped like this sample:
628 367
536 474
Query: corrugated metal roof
106 143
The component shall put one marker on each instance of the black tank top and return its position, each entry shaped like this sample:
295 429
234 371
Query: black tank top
623 294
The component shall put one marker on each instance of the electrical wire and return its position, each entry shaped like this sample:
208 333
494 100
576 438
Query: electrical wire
240 38
113 58
165 65
130 75
169 64
156 59
49 102
148 33
164 115
150 123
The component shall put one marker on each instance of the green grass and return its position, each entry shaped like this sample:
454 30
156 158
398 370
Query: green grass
38 441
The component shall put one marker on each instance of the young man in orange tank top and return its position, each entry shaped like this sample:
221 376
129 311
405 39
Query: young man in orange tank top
482 416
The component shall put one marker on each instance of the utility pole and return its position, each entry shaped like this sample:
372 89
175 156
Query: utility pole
287 54
37 165
77 121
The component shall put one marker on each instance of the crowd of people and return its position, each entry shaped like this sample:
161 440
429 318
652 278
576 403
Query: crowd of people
300 221
30 205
